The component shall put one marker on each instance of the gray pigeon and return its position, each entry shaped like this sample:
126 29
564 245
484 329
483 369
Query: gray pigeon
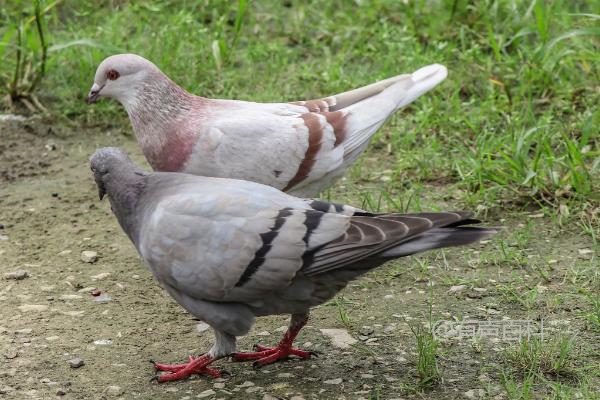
229 250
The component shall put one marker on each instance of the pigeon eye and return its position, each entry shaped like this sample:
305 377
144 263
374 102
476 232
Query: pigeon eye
112 74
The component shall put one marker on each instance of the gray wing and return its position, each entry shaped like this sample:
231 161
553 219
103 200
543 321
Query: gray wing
233 241
387 236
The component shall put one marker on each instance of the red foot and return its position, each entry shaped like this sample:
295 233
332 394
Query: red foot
197 365
269 355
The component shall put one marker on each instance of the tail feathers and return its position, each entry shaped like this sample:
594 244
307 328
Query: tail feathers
346 99
438 238
366 116
424 79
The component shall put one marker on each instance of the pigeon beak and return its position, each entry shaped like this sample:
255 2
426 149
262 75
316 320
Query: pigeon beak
101 192
101 188
94 94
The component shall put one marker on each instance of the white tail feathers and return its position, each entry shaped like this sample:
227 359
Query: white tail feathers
424 80
367 115
346 99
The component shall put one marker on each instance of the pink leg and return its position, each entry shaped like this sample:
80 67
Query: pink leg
268 355
197 365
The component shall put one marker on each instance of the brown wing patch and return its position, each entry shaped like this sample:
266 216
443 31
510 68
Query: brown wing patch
315 135
318 105
337 119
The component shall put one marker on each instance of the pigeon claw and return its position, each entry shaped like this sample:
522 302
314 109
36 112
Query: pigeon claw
195 366
268 355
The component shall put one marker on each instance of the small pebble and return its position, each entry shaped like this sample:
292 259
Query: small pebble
340 338
17 275
32 307
70 297
457 288
114 390
96 292
89 256
202 327
74 313
366 330
11 354
335 381
268 396
206 393
474 394
6 389
101 276
76 363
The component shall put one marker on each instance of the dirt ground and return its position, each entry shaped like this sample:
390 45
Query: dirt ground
50 214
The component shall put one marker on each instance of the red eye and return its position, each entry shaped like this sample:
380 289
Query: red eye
112 74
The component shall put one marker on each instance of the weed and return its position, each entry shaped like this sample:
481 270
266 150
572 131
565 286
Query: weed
589 223
553 358
592 315
340 302
527 298
427 352
427 367
516 391
30 54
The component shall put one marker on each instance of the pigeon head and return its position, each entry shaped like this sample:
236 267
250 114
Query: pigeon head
120 76
103 162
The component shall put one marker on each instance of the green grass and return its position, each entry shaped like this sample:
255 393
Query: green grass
427 349
427 367
548 366
514 124
554 358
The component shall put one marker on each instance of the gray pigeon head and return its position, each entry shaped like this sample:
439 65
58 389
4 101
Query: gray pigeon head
120 76
105 160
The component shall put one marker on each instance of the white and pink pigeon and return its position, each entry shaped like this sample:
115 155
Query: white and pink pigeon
301 147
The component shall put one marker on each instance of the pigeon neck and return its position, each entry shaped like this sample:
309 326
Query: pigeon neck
124 186
157 100
158 118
